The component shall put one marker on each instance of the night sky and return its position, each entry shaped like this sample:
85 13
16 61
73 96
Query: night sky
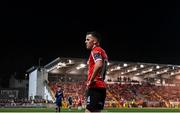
132 31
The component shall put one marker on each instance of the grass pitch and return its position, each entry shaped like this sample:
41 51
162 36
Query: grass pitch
105 110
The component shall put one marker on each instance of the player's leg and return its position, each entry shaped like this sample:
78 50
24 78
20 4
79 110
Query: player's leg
70 105
60 105
88 100
59 109
102 97
56 108
92 100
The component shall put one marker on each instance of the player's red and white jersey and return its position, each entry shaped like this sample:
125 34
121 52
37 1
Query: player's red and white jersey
97 53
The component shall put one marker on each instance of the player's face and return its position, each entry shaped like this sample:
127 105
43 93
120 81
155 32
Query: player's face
90 41
59 88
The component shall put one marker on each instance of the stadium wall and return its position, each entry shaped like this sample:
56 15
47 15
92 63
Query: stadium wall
32 84
38 86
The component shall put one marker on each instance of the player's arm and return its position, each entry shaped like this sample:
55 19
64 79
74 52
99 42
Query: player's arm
56 95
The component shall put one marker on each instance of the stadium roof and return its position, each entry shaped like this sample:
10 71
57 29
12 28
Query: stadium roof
77 66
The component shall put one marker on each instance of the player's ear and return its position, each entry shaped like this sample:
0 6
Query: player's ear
95 42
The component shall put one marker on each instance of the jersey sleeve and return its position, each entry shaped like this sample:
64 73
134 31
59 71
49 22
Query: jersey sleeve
96 55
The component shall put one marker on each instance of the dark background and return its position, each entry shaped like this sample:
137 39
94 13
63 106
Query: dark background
132 30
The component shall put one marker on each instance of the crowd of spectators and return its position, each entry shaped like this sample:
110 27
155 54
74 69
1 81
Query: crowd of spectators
118 95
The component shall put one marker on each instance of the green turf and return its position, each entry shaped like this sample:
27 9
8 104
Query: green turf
105 110
143 110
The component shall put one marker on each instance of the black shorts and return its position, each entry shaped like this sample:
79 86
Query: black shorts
59 104
95 98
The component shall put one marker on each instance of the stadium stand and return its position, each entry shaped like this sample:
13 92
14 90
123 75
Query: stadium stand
128 85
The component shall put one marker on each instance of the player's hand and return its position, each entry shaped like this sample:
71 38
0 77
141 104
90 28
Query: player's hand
90 82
